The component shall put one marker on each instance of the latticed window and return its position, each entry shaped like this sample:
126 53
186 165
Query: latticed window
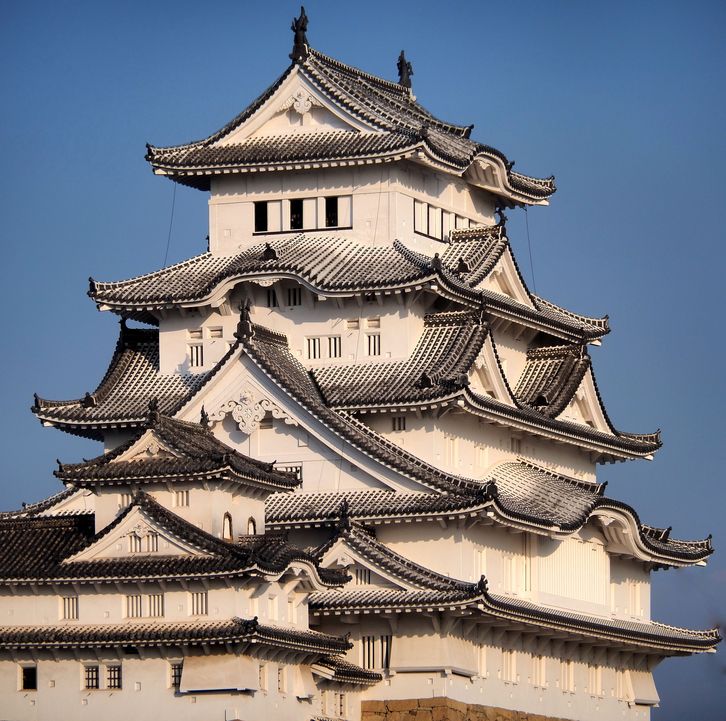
313 348
113 676
199 603
376 651
196 355
294 296
69 608
133 606
176 674
374 344
362 576
91 676
156 604
334 346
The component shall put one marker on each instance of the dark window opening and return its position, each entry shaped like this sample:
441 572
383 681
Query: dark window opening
296 214
271 298
261 216
92 677
331 212
30 678
176 675
113 677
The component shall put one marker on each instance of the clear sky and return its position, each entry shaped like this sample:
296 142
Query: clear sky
622 101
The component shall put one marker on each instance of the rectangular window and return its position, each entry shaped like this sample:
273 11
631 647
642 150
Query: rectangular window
539 671
353 324
420 217
296 214
29 678
215 332
482 661
398 423
334 346
291 611
594 680
91 676
152 542
509 666
374 344
134 543
272 608
368 651
271 298
156 604
195 334
133 606
313 348
69 608
181 499
113 676
515 445
362 576
294 296
373 323
567 676
620 684
331 212
196 355
297 469
262 676
199 602
175 674
385 644
261 216
435 222
124 500
281 679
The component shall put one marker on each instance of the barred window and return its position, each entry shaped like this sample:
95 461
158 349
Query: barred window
156 604
199 601
539 671
69 608
374 344
509 666
271 298
334 346
176 674
181 499
362 576
113 676
594 680
294 296
313 348
134 543
376 651
152 542
196 355
567 676
133 606
398 423
91 676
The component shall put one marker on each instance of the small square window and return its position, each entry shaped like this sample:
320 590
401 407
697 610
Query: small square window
29 678
353 324
69 608
195 334
373 323
199 603
133 606
181 499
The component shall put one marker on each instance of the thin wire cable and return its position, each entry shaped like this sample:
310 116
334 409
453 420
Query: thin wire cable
529 245
171 223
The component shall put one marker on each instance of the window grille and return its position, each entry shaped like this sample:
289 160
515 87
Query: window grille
133 606
620 684
334 346
313 347
156 604
515 445
29 678
368 652
152 542
331 212
176 674
374 344
134 543
181 499
376 651
113 676
70 607
294 296
195 334
271 298
373 323
199 605
362 576
124 500
398 423
196 355
91 676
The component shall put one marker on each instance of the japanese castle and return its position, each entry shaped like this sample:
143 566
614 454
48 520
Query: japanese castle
349 458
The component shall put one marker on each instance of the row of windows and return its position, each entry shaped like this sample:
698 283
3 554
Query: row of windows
94 676
436 222
333 347
293 297
137 605
302 213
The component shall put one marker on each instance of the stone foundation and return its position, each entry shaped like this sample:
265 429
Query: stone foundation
441 709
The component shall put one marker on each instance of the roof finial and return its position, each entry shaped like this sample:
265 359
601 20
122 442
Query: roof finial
405 71
153 411
299 26
244 326
204 418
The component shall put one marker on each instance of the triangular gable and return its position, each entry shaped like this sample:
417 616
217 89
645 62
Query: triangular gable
118 543
149 445
504 279
240 389
486 377
296 106
585 407
341 555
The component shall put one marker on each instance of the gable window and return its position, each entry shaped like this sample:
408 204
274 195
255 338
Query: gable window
261 222
28 678
199 603
251 526
313 348
362 576
91 677
331 212
69 607
398 423
227 527
271 298
152 542
133 606
334 346
374 344
296 214
113 676
294 296
134 543
175 674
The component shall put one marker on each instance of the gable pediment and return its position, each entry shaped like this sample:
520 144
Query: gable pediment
297 106
504 279
149 446
585 407
137 535
485 376
343 557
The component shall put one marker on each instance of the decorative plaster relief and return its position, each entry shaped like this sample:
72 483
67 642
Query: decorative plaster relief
247 411
301 102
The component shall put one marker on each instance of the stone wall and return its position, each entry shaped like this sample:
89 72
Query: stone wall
441 709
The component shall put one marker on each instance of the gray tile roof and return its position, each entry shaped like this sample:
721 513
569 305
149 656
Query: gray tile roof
398 125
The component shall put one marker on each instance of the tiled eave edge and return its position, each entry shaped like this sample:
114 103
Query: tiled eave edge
485 605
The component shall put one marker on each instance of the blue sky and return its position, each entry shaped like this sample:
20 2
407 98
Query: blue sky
623 102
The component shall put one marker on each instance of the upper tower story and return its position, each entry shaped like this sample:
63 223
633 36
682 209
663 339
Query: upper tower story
328 146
